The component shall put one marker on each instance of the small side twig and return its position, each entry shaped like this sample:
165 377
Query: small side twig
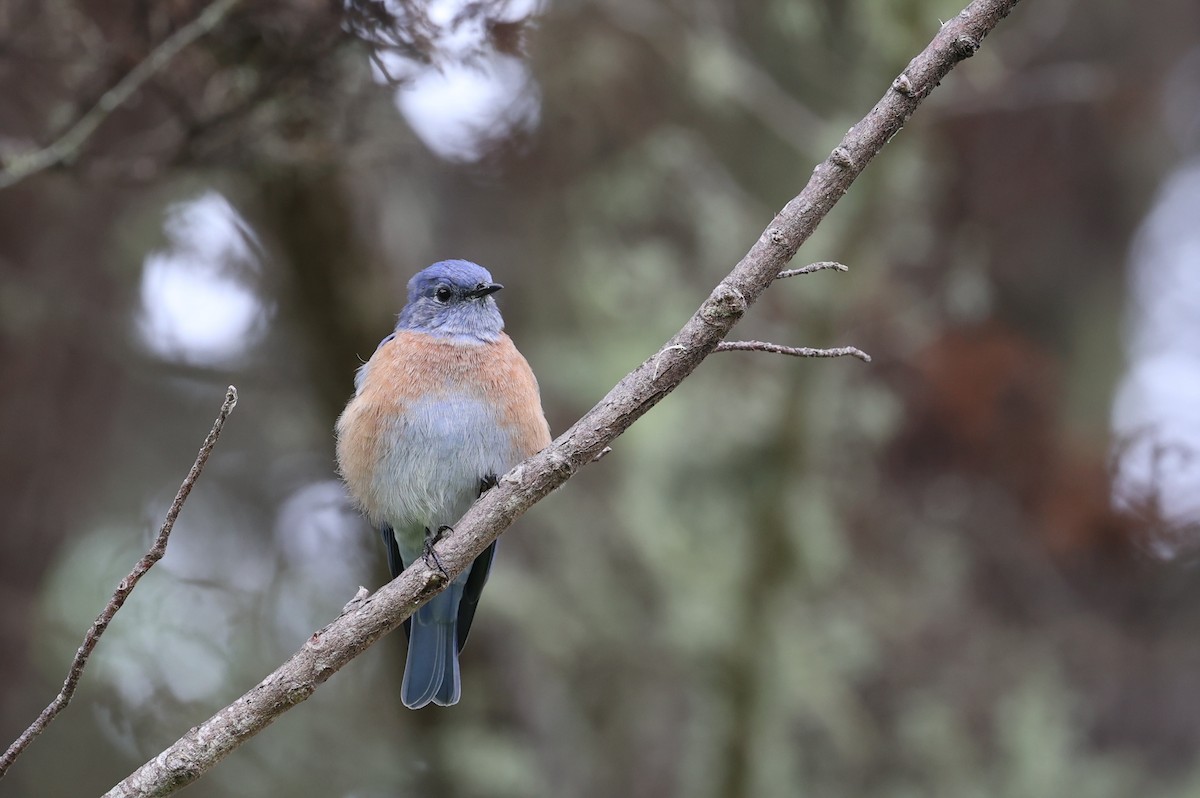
819 266
67 146
122 592
794 351
356 601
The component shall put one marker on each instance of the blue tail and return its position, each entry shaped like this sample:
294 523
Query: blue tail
437 631
431 672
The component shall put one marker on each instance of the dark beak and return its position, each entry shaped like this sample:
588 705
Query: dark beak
484 289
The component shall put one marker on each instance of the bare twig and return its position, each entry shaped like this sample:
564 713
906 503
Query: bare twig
67 146
819 266
356 601
331 648
122 592
794 351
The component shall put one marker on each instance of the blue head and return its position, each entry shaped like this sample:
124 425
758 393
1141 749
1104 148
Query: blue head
453 298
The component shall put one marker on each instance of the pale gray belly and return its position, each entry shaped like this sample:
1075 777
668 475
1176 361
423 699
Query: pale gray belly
433 462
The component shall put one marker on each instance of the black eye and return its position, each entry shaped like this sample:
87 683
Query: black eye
442 294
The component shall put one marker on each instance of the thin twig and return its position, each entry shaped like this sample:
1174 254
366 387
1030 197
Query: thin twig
122 592
328 650
819 266
794 351
67 146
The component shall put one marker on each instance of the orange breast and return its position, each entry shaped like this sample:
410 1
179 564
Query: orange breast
416 368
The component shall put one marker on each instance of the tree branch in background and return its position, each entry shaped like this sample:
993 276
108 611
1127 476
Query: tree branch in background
748 84
330 648
67 146
122 592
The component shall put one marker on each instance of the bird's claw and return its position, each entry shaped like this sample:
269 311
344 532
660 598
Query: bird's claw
430 556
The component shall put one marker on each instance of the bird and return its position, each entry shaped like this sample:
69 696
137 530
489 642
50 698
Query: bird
443 408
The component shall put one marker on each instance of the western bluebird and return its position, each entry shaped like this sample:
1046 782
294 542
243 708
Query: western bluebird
444 406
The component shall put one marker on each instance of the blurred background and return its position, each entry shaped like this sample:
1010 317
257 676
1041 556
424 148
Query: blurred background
966 569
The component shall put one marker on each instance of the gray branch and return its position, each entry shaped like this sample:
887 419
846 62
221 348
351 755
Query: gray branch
67 146
126 586
819 266
793 351
330 648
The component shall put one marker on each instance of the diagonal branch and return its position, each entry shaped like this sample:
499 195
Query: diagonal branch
67 145
330 648
122 592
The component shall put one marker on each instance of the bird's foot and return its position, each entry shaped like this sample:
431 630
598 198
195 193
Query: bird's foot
430 556
487 483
